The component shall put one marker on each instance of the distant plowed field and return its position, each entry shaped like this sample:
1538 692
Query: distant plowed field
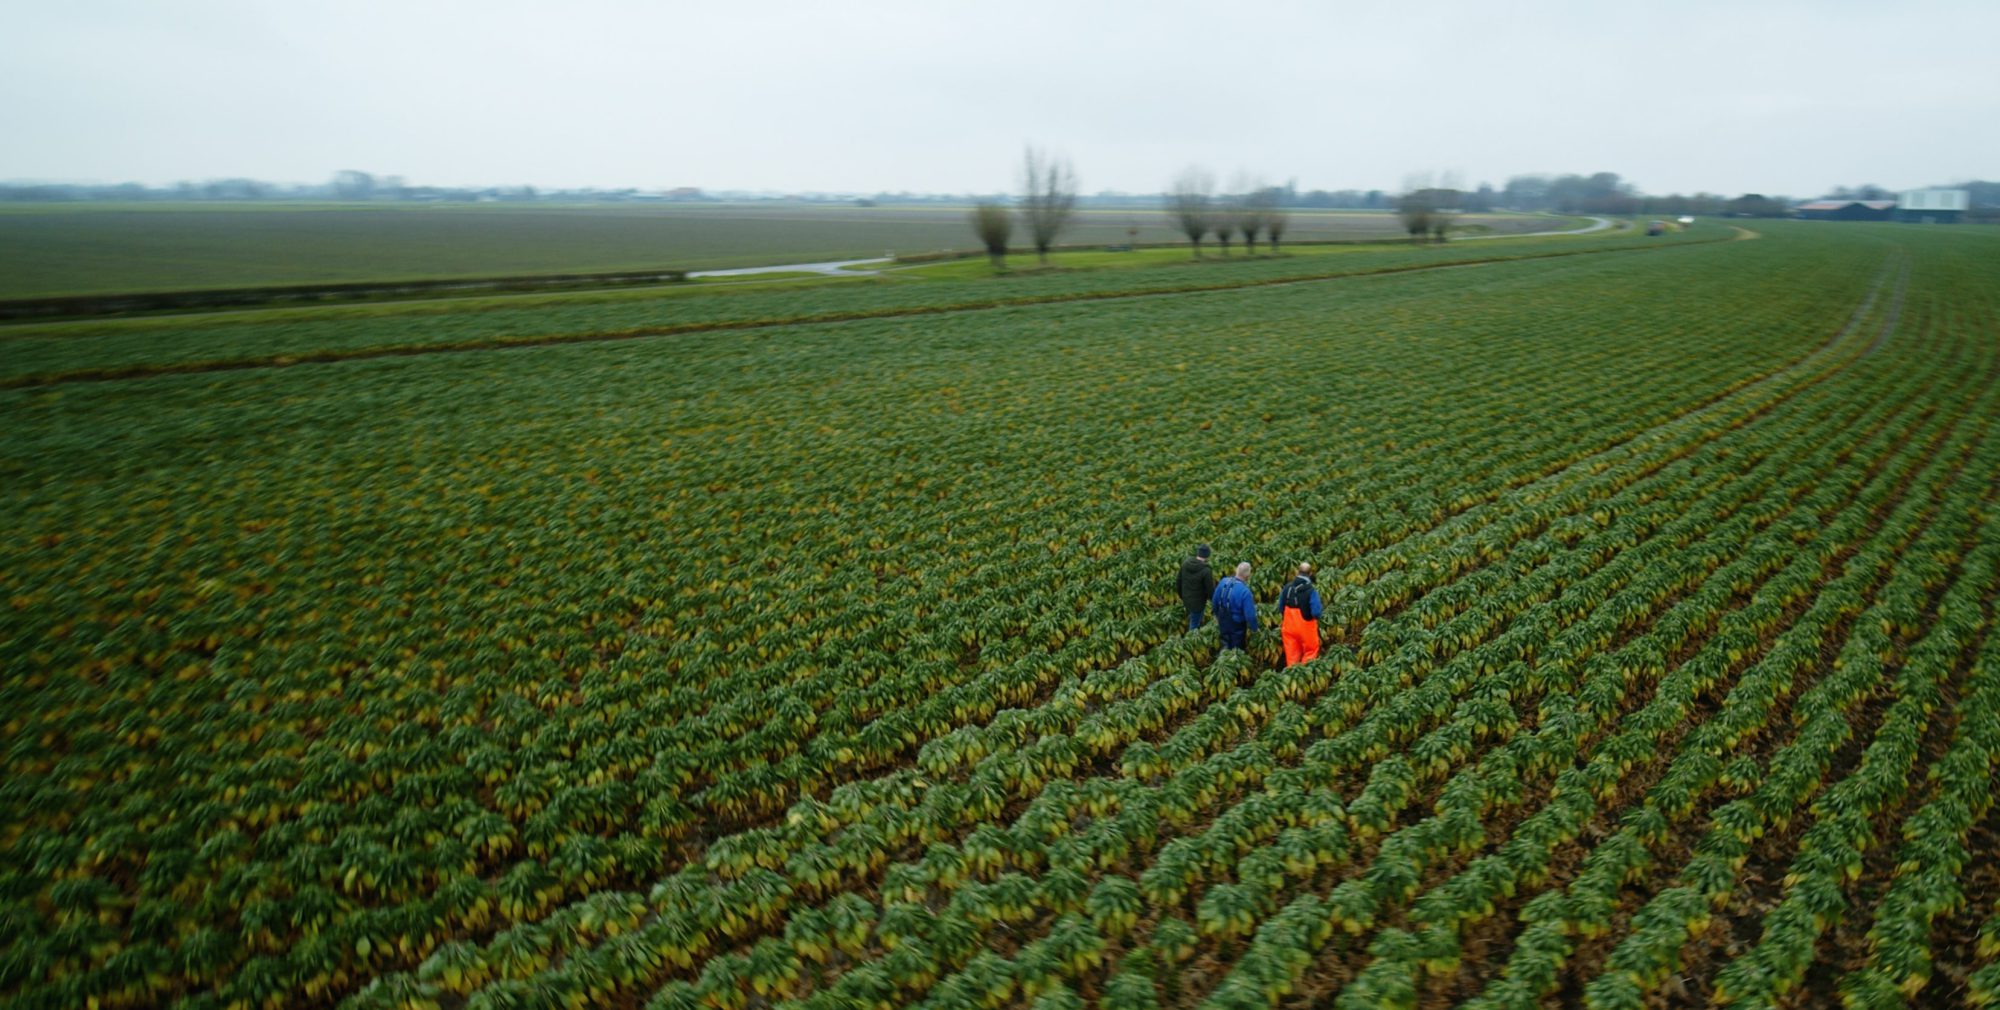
820 648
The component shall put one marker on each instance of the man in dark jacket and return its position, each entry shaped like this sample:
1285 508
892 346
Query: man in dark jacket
1235 608
1196 583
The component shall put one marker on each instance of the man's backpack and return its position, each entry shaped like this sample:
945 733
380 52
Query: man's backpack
1298 596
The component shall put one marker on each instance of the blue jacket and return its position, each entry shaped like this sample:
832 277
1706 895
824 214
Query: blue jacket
1234 606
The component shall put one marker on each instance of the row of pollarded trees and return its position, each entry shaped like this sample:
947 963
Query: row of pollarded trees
1197 211
1430 211
1048 202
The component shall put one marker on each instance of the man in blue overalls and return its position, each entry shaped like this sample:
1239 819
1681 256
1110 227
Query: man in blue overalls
1235 609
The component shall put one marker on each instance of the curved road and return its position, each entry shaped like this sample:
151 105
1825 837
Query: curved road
1598 224
840 267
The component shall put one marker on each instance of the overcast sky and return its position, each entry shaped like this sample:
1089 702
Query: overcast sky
941 95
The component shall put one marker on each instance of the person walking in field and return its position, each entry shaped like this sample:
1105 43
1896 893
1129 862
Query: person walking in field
1299 604
1197 583
1235 608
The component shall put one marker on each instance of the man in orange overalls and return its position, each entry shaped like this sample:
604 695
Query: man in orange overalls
1299 603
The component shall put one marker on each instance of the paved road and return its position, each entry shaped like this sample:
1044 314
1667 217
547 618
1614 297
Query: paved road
840 267
1597 224
835 267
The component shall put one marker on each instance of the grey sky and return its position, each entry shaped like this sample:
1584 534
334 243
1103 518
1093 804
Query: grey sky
940 95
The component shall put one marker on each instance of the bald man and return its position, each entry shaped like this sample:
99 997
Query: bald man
1299 605
1235 609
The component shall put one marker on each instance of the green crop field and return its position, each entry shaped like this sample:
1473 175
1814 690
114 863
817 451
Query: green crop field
88 249
815 645
41 352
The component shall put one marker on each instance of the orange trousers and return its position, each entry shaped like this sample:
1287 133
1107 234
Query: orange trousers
1301 637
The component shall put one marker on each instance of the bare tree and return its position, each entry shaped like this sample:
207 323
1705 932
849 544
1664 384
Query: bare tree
1414 210
1446 203
994 225
1252 204
1418 207
1253 207
1444 213
1048 198
1225 219
1276 219
1249 221
1191 205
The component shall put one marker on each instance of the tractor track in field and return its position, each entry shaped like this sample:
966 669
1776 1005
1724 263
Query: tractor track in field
1758 887
143 371
1894 313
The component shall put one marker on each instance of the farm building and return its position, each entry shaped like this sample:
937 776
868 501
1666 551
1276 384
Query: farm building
1848 210
1942 206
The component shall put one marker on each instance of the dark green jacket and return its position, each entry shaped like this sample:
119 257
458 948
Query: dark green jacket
1197 583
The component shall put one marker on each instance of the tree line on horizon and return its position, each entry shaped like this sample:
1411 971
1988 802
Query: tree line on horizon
1426 209
1595 193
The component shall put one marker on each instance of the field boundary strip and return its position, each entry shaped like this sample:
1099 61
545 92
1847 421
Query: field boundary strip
607 336
78 307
